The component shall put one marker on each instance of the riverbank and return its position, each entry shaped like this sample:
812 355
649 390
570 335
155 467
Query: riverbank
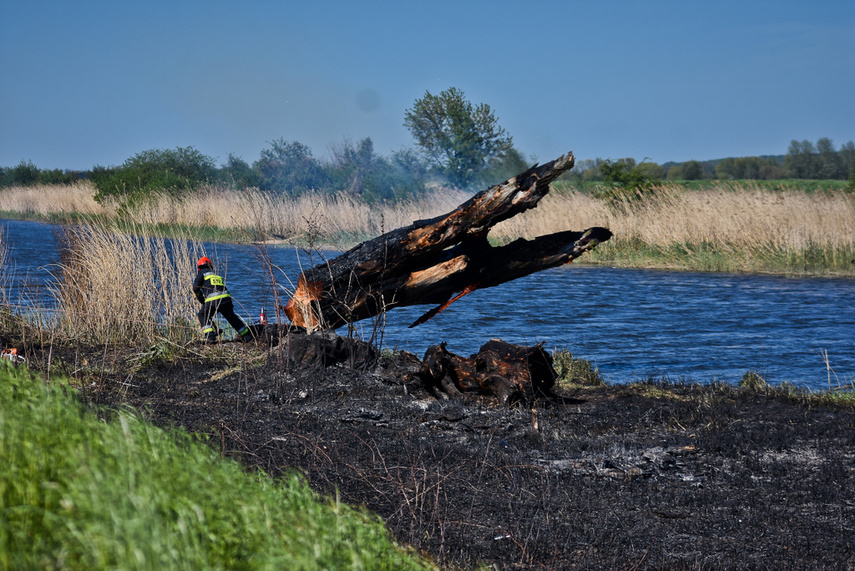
726 227
646 475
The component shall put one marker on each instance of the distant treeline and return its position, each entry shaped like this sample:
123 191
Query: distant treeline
804 160
290 168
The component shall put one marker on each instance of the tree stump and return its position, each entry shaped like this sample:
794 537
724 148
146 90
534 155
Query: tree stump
510 373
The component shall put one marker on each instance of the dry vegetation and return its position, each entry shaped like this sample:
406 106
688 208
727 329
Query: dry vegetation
729 228
124 287
51 200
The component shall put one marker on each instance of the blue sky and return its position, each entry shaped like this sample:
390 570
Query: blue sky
93 83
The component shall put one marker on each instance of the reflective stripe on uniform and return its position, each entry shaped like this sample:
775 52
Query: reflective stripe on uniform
217 296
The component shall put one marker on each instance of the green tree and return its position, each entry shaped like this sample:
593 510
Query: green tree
238 174
359 170
626 173
689 170
802 160
692 170
742 168
847 159
627 180
456 138
830 161
354 166
290 167
24 174
408 174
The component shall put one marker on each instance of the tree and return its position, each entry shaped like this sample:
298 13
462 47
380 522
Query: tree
627 180
290 167
354 167
802 160
847 158
24 174
748 168
830 163
692 170
457 138
237 173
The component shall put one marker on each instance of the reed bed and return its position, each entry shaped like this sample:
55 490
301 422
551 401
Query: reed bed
4 273
50 201
740 228
116 286
337 220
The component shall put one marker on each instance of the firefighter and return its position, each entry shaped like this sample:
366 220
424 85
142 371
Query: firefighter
210 290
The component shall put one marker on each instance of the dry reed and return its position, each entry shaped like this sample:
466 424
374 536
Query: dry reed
730 228
4 270
124 287
342 218
49 200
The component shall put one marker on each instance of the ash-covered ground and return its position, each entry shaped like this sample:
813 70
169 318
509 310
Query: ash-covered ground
647 476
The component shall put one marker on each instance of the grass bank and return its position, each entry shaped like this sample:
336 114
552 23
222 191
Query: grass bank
725 226
78 492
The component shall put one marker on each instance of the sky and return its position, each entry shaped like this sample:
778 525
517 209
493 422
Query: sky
95 82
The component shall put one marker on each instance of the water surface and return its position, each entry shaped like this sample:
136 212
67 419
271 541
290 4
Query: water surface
632 324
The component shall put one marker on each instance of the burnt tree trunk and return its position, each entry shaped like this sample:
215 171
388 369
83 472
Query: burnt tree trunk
511 373
431 261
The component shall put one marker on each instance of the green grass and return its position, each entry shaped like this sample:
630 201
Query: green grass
83 493
573 373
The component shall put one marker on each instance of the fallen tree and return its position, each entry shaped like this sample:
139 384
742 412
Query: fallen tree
437 261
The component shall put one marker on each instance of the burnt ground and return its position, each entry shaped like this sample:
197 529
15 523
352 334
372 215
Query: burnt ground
647 476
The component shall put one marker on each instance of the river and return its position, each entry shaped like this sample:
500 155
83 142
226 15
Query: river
631 324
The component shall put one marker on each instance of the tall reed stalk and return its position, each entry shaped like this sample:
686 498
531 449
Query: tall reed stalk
4 275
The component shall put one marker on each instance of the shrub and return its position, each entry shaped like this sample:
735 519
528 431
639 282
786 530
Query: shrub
627 181
570 370
154 171
753 382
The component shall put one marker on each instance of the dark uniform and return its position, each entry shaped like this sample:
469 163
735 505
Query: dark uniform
210 290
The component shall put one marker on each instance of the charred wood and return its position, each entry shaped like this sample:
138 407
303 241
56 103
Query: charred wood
432 261
510 373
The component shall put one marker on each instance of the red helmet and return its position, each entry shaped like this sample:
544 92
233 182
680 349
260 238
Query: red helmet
204 261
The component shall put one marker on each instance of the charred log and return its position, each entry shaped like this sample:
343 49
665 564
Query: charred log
510 373
432 261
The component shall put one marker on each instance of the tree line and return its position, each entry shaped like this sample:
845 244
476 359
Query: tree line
456 144
804 160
